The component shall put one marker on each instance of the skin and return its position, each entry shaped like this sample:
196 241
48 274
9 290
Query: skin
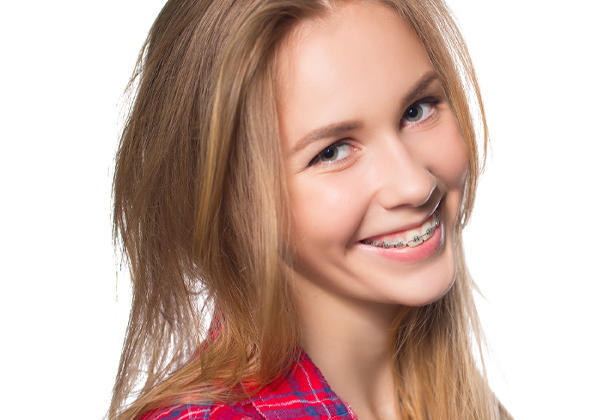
358 64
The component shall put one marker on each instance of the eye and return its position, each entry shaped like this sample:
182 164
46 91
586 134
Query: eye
420 111
333 153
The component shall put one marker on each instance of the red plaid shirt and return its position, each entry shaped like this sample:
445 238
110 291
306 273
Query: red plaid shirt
302 394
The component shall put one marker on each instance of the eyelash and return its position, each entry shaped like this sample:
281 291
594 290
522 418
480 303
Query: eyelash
425 101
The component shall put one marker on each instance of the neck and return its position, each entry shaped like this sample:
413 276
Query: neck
350 342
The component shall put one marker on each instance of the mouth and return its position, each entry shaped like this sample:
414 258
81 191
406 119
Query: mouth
408 238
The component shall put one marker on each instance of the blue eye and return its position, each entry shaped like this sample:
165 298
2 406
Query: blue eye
332 153
420 111
417 112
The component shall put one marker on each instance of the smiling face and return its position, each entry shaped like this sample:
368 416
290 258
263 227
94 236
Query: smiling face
372 151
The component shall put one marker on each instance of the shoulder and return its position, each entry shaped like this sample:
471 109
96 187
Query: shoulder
218 411
303 393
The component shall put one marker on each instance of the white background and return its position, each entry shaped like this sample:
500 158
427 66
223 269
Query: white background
530 245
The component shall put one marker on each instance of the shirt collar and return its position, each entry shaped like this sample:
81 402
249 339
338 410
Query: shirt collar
302 394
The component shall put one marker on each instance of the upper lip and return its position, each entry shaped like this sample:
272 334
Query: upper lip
405 227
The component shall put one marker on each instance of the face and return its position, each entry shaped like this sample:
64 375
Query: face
374 157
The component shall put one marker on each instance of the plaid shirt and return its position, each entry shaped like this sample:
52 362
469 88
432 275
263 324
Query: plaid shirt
302 394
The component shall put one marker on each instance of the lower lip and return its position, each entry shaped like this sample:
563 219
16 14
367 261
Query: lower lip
408 254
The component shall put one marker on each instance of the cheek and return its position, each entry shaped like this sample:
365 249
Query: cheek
449 157
324 210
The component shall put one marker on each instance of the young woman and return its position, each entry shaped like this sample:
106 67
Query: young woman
300 172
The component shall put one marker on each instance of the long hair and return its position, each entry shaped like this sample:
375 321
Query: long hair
201 213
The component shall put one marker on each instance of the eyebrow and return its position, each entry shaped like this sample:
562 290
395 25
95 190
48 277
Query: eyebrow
421 86
340 128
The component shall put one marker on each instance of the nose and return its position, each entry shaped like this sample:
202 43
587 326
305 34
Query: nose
403 178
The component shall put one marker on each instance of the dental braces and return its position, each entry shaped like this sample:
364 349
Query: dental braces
416 240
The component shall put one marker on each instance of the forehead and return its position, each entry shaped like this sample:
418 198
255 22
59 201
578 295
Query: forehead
350 64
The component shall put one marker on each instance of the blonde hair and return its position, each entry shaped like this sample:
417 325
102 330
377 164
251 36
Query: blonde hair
200 209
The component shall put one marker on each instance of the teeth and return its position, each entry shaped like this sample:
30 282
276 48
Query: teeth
428 227
413 237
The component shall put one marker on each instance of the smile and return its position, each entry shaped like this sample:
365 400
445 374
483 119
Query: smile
409 238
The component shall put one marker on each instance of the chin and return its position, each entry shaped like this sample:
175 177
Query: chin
429 284
422 296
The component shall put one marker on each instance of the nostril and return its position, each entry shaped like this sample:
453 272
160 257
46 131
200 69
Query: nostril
411 192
